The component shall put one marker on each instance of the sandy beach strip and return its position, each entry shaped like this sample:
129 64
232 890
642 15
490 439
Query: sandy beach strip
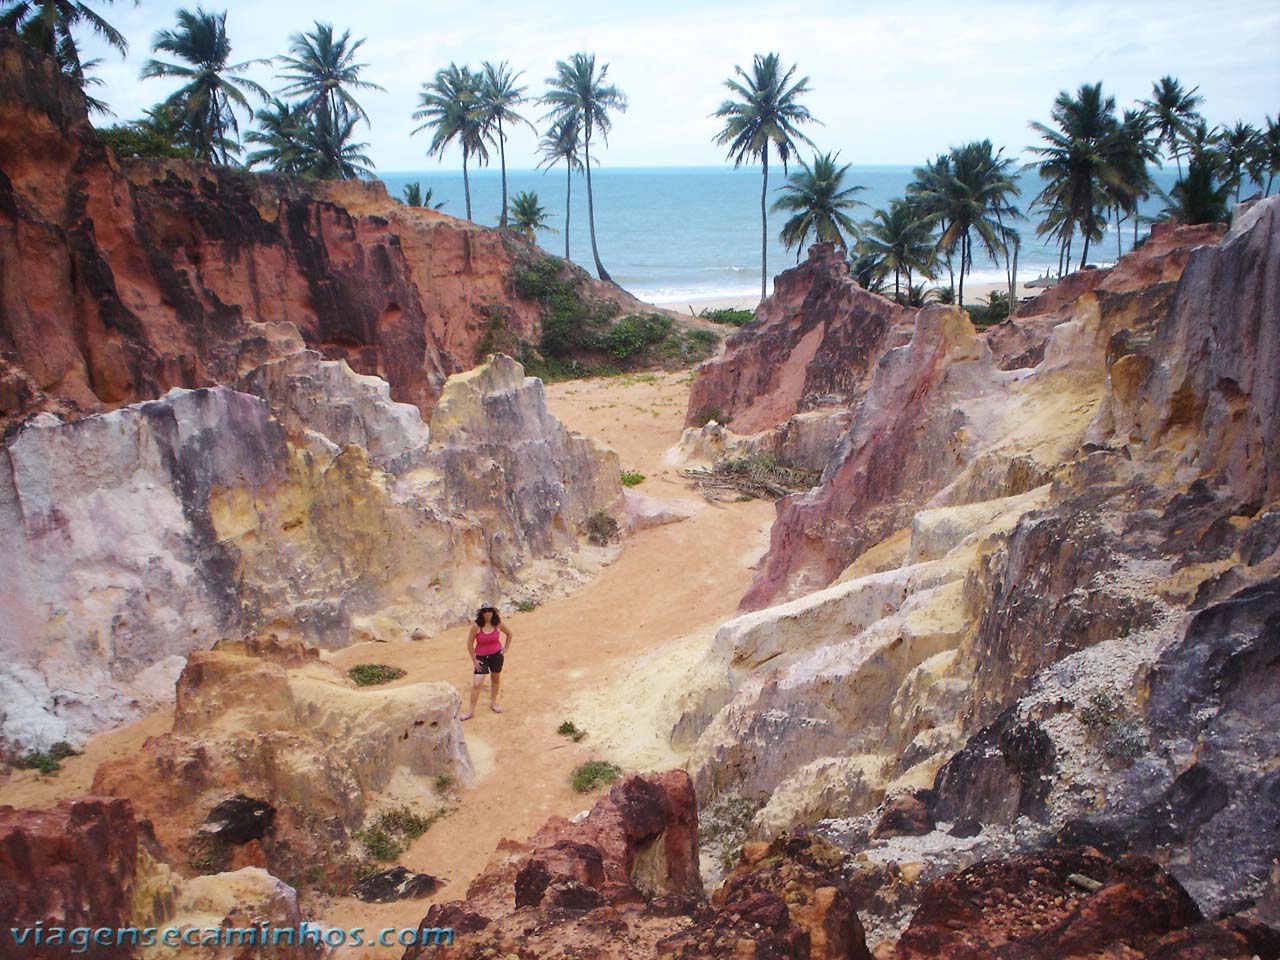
974 294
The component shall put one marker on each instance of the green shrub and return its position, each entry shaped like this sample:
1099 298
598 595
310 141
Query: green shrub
1117 731
994 311
389 834
46 761
601 528
631 478
526 606
594 773
138 140
569 321
631 335
737 318
443 782
570 730
371 674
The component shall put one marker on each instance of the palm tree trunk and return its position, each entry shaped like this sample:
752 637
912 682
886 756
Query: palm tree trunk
1084 257
502 154
601 272
964 258
568 194
764 223
1136 218
1070 237
1008 263
466 183
1119 253
897 297
1013 279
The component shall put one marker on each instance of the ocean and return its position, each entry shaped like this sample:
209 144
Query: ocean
670 234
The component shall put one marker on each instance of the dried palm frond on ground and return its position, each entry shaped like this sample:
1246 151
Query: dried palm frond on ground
750 477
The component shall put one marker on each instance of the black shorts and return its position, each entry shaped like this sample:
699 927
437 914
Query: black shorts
488 663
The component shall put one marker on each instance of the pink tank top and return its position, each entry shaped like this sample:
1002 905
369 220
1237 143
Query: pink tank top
488 643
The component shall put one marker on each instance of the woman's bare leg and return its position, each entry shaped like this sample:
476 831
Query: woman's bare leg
494 686
477 681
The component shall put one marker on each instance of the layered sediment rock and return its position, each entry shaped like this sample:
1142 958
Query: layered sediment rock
124 278
266 718
137 536
1011 541
810 345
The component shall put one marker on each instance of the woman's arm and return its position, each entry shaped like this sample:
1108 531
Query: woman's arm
471 645
510 636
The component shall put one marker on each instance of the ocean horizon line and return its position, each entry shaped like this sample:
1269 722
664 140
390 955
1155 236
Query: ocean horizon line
495 172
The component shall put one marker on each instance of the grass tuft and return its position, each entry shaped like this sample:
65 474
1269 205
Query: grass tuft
372 674
592 774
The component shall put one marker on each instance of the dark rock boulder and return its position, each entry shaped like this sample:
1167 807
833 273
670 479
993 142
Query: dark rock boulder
239 819
397 883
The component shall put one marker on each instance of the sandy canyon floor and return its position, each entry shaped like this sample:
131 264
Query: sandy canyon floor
613 657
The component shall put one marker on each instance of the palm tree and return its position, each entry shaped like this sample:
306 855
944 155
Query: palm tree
1081 157
213 88
1239 150
527 215
414 196
322 70
1196 198
277 134
562 143
47 25
767 114
901 240
1129 177
446 105
325 149
579 92
818 198
1269 152
971 197
927 192
1172 109
499 97
67 56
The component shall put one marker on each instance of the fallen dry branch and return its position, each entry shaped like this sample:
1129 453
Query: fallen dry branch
750 477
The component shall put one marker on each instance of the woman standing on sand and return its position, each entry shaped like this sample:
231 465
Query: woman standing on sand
486 646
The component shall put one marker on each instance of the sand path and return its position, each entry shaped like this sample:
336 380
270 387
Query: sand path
613 656
599 656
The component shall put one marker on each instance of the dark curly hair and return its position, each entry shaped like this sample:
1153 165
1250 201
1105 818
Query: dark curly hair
480 616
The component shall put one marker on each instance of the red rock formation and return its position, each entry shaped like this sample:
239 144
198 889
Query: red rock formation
797 889
1071 905
122 278
69 867
915 418
812 343
623 883
898 453
1161 259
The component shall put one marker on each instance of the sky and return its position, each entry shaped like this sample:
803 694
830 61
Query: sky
892 83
